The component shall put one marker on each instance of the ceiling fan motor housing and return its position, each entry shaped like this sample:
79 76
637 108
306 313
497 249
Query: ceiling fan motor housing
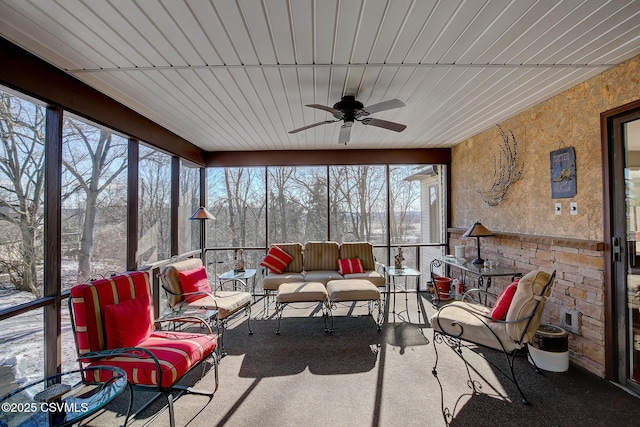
350 108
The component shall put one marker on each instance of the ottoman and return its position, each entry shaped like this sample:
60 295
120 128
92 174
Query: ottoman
355 290
294 292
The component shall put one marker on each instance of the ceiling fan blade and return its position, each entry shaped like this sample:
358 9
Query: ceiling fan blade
383 106
336 113
345 133
396 127
312 126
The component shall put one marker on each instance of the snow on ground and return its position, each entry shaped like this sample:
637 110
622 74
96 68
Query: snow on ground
22 336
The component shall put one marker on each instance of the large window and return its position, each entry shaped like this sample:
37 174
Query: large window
94 195
237 201
22 175
358 204
154 206
384 205
297 204
188 231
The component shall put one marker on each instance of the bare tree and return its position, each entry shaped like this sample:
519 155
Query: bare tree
359 191
95 161
279 180
241 203
154 198
22 186
404 196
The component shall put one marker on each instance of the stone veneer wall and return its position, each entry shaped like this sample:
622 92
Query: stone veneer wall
529 234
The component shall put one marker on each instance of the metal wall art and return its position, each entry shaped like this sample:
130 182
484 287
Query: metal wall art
507 169
563 173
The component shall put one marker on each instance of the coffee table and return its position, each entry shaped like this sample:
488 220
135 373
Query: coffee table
62 399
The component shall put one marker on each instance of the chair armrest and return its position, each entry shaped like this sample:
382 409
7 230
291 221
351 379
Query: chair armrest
475 296
188 294
188 319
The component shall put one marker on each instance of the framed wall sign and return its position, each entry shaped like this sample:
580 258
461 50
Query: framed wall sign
563 173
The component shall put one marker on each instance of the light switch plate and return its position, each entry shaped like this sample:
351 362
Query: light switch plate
573 208
558 209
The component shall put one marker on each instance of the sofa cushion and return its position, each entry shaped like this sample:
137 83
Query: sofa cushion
374 277
523 304
276 259
350 266
177 351
360 250
500 307
272 281
320 256
322 276
195 280
120 330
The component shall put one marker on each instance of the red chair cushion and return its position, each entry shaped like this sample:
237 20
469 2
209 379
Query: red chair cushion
195 280
501 306
177 351
350 266
121 326
276 260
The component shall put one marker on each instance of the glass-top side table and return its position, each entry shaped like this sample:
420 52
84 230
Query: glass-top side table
467 267
240 276
393 273
61 400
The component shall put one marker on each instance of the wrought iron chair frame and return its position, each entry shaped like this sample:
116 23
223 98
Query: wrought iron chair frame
456 343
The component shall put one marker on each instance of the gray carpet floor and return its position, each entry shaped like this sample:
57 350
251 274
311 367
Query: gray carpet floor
359 376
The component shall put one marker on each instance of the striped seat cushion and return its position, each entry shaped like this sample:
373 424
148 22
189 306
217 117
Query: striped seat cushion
178 352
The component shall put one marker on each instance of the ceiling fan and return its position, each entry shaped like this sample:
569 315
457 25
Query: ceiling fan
350 110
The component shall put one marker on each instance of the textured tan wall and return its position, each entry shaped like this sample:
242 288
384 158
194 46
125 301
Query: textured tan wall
570 119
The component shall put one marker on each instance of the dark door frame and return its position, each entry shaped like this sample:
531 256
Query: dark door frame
612 338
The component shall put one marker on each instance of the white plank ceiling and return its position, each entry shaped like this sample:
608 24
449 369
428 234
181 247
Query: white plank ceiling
236 75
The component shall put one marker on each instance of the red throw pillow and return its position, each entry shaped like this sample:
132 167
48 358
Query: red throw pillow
194 281
276 260
350 266
500 308
128 323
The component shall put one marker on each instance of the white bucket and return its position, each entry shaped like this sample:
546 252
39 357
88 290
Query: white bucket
549 349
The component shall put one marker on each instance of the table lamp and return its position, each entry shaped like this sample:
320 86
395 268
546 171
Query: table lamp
478 230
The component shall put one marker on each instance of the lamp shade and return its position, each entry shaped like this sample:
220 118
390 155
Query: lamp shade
477 230
202 213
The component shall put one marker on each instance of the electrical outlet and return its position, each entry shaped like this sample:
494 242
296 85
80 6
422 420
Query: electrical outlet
573 208
558 209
